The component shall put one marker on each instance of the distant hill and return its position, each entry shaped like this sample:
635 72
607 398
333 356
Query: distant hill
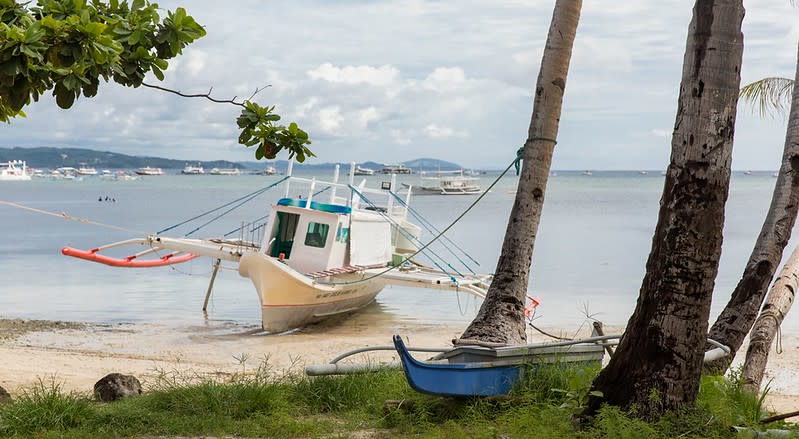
427 164
49 157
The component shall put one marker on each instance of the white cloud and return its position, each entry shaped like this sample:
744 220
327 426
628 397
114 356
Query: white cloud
438 132
352 75
330 119
445 79
195 62
367 116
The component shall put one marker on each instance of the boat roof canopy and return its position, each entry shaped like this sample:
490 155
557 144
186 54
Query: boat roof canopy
322 207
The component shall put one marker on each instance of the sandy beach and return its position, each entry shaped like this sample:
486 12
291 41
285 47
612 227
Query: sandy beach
76 355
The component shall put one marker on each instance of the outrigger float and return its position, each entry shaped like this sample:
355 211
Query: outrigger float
315 259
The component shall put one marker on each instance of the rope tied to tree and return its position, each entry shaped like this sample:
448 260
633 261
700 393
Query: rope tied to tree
520 152
769 313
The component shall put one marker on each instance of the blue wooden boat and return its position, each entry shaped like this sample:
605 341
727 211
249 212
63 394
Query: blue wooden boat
458 379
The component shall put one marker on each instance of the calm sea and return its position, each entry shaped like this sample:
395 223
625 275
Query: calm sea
589 257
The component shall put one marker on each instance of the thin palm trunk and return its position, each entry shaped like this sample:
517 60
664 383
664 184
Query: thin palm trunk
658 362
781 296
737 318
777 305
501 317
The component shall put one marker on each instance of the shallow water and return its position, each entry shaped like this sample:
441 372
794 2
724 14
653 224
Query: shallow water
589 257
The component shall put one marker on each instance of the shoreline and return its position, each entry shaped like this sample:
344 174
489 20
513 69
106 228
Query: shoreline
75 355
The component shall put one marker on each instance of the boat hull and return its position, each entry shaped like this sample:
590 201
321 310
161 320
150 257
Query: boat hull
291 300
475 379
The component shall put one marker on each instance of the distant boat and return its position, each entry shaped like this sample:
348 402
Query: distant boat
149 171
643 172
747 172
86 170
364 171
225 171
14 170
587 173
269 170
193 170
443 184
395 169
66 173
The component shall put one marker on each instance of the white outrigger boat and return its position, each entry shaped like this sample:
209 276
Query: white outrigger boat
316 259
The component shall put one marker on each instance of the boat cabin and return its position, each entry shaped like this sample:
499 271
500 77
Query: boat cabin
319 236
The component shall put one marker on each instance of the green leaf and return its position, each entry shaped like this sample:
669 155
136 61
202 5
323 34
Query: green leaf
157 72
135 37
64 98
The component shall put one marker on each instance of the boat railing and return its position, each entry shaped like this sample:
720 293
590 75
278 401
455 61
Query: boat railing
333 190
251 232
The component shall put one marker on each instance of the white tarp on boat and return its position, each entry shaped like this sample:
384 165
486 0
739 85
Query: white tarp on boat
370 239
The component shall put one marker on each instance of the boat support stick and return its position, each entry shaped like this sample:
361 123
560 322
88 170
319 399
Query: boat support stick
211 285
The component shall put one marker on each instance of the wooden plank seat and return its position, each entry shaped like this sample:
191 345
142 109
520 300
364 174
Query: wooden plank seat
342 270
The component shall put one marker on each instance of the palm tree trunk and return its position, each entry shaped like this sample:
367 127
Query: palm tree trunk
501 317
737 317
658 362
777 305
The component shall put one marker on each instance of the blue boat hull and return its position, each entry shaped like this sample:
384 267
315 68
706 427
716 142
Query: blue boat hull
464 379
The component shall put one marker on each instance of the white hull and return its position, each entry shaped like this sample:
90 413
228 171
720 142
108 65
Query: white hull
290 299
14 170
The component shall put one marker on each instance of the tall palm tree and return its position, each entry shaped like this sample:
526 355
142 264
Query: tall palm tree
501 317
738 317
658 363
781 296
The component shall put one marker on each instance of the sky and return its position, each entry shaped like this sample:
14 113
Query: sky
390 81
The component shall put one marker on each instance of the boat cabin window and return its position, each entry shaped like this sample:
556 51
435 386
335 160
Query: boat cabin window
317 235
286 229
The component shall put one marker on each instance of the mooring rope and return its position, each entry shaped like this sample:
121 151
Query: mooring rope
64 215
246 198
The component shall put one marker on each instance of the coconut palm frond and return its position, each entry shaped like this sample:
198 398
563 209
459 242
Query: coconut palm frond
770 96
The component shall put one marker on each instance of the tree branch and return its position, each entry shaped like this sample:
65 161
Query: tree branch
205 95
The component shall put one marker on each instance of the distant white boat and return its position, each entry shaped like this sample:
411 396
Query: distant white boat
14 170
395 169
66 173
587 173
747 172
269 170
193 170
643 172
225 171
86 170
446 183
149 171
364 171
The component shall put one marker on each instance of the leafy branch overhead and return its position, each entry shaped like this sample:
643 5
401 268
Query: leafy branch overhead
68 46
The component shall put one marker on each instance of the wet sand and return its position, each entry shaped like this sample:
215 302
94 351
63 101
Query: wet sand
76 355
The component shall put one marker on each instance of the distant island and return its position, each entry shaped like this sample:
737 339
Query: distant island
52 158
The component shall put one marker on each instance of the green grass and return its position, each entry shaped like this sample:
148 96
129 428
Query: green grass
295 406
